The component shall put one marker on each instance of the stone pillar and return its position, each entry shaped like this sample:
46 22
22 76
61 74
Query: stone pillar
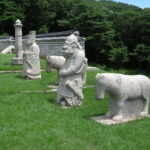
18 43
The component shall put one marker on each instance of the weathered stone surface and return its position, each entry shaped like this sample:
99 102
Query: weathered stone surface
70 85
17 61
18 43
54 62
129 95
93 69
107 121
31 61
8 49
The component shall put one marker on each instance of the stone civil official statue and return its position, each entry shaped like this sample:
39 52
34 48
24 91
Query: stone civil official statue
70 85
31 61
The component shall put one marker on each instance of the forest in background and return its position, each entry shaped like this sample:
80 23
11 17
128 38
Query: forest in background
117 34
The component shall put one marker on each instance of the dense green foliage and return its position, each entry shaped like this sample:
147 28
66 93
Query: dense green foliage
32 121
111 29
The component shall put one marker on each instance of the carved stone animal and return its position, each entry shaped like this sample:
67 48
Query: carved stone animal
129 94
8 49
54 62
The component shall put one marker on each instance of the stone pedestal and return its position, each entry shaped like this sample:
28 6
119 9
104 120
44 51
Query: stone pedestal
18 43
17 61
108 121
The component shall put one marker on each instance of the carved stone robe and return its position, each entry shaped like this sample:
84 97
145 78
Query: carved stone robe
70 85
31 62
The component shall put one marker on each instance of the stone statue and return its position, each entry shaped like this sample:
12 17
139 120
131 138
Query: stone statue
8 49
70 85
18 43
129 95
31 61
56 62
74 37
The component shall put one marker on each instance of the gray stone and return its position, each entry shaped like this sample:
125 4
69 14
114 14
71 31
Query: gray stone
17 61
70 86
107 121
18 43
31 61
54 62
8 49
93 69
129 95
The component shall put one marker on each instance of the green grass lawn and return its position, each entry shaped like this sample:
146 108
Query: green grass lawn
5 63
32 121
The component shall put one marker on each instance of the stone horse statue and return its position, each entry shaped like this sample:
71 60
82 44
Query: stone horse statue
129 95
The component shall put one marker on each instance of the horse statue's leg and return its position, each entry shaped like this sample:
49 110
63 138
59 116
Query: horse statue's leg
119 116
145 108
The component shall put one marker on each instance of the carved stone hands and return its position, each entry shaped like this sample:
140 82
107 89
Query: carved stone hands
64 72
27 52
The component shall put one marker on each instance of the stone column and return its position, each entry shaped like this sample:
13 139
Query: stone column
18 43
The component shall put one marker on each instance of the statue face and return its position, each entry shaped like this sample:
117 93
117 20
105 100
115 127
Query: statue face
67 51
29 41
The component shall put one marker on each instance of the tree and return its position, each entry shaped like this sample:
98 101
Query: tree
118 57
141 57
9 12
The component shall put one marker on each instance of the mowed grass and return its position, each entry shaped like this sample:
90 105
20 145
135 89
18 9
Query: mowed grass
5 63
32 121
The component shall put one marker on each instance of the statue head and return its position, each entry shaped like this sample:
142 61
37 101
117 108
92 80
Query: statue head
31 38
71 39
67 50
71 44
76 33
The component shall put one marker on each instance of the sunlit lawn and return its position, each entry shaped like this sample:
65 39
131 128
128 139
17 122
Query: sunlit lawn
32 121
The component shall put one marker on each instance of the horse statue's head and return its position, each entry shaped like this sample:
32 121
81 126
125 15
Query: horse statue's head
100 86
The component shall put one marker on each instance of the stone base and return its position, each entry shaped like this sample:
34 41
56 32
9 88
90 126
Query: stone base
103 120
93 69
17 61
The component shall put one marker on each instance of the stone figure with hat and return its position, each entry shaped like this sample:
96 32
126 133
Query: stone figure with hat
31 60
70 84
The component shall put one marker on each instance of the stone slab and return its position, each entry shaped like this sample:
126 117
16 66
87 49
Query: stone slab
15 71
17 61
52 86
56 86
41 91
93 69
104 121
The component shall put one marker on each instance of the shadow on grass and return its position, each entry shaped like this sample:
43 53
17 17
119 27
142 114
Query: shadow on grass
52 101
87 117
19 76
